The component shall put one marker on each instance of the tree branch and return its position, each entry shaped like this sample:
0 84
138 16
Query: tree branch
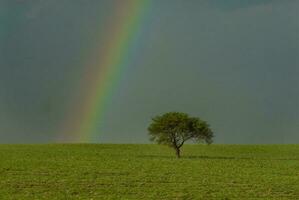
181 144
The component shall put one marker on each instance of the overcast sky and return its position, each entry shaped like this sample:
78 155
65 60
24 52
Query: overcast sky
234 63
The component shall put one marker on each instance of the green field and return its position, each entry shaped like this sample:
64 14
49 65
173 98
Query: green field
91 171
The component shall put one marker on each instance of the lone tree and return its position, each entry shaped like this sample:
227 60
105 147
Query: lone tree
174 129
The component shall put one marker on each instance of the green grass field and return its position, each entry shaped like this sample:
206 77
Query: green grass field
90 171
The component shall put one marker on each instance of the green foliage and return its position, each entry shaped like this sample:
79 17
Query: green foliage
142 172
174 129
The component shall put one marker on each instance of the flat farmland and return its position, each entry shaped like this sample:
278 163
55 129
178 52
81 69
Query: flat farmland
127 171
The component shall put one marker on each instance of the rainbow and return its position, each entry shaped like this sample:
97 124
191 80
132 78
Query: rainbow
103 73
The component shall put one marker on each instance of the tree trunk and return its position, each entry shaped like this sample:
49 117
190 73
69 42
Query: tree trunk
177 152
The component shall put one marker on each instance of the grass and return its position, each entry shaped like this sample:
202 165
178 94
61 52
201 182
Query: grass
91 171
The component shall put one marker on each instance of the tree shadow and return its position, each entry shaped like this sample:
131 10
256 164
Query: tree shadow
212 158
190 157
215 158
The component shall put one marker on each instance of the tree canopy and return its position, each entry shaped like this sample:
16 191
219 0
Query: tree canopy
175 128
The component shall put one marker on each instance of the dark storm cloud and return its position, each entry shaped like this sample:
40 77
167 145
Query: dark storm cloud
236 4
234 63
41 53
237 69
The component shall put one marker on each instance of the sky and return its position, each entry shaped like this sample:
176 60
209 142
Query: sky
233 63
